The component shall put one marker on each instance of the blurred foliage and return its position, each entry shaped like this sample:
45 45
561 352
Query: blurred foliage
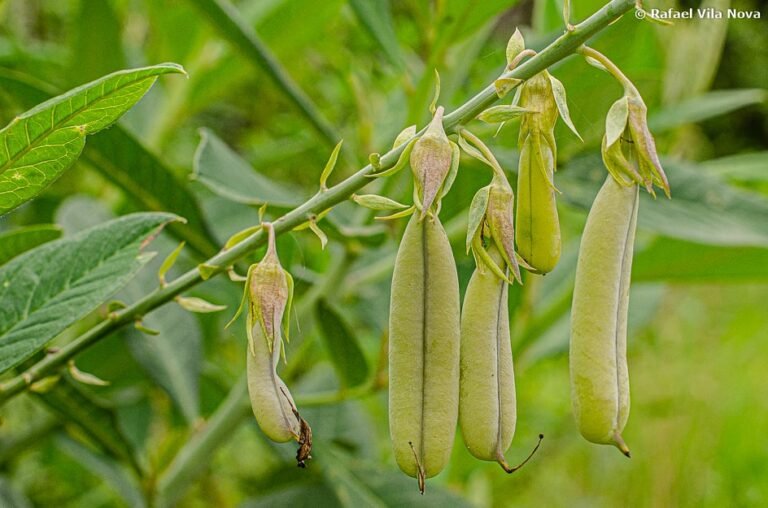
697 311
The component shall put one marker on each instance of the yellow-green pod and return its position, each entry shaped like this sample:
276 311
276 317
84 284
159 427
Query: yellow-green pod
598 363
271 401
487 412
424 350
537 226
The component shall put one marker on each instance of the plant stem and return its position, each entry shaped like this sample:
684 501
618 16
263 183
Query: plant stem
564 46
612 69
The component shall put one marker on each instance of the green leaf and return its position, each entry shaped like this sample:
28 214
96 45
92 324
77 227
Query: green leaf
122 158
97 44
745 167
705 106
376 202
558 91
668 259
10 497
168 263
104 468
357 483
226 174
501 113
173 358
16 241
703 208
47 289
230 24
330 165
93 417
342 345
39 145
376 18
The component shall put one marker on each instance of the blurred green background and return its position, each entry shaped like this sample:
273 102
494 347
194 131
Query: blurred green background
698 319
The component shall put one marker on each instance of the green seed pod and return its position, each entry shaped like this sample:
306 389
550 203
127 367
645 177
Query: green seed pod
270 399
598 364
424 350
536 222
537 226
269 290
487 413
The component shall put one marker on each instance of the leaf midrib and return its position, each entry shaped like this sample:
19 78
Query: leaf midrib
47 132
68 285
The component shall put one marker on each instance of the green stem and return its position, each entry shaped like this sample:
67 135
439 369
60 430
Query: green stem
612 69
564 46
196 454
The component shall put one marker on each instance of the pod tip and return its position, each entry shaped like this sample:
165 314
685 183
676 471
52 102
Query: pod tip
621 445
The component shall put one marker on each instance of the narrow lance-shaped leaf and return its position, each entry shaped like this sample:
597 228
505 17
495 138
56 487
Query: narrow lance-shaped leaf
17 241
330 165
122 158
226 174
343 348
47 289
39 145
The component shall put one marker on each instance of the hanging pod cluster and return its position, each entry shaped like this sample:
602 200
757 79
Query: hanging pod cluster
598 344
268 294
443 365
450 364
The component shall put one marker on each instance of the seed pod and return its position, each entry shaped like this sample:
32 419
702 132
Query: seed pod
424 350
270 399
537 224
269 290
487 413
598 364
431 161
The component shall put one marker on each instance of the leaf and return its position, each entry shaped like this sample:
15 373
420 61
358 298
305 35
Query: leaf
745 167
703 208
515 46
616 121
47 289
16 241
376 18
173 358
168 263
10 497
330 165
95 419
376 202
230 24
122 158
104 468
668 259
225 173
558 91
477 211
342 345
705 106
355 481
199 305
97 42
39 145
501 113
